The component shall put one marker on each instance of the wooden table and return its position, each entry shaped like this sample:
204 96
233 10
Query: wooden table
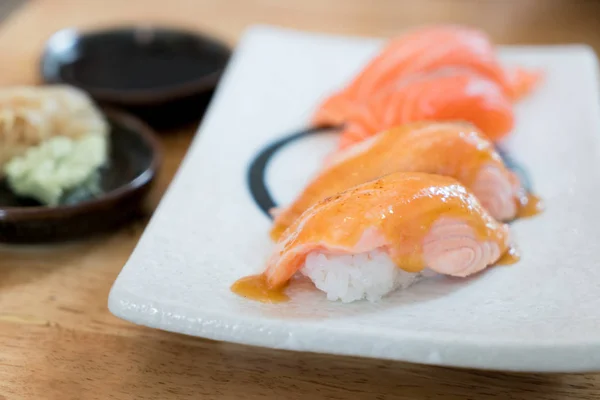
58 340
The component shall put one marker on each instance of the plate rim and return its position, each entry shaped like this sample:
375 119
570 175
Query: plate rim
427 349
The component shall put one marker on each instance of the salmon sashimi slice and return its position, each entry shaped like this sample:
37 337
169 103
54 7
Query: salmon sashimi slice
419 220
458 150
523 81
448 95
425 50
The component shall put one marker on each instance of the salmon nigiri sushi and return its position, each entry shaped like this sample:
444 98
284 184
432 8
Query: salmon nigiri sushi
458 150
444 96
426 50
364 242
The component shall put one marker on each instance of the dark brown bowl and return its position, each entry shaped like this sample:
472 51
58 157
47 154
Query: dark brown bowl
134 161
165 76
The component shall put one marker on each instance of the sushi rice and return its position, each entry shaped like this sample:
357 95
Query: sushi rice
355 277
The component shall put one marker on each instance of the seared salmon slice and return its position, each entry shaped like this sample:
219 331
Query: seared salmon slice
420 220
457 150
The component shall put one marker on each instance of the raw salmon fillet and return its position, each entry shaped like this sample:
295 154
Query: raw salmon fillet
447 95
421 51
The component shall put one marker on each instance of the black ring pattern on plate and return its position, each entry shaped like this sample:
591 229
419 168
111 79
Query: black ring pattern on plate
256 171
257 168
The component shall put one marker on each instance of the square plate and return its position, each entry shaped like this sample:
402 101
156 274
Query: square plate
542 314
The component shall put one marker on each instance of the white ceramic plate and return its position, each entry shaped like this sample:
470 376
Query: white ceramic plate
542 314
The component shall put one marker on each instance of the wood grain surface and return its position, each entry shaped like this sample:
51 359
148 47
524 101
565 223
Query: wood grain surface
57 338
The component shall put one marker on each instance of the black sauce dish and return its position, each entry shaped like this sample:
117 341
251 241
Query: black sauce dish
165 76
134 160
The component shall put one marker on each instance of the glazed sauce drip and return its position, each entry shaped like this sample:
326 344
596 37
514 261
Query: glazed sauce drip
512 256
530 206
418 147
255 287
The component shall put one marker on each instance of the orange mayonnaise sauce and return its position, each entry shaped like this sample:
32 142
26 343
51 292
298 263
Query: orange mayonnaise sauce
511 256
530 206
255 287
